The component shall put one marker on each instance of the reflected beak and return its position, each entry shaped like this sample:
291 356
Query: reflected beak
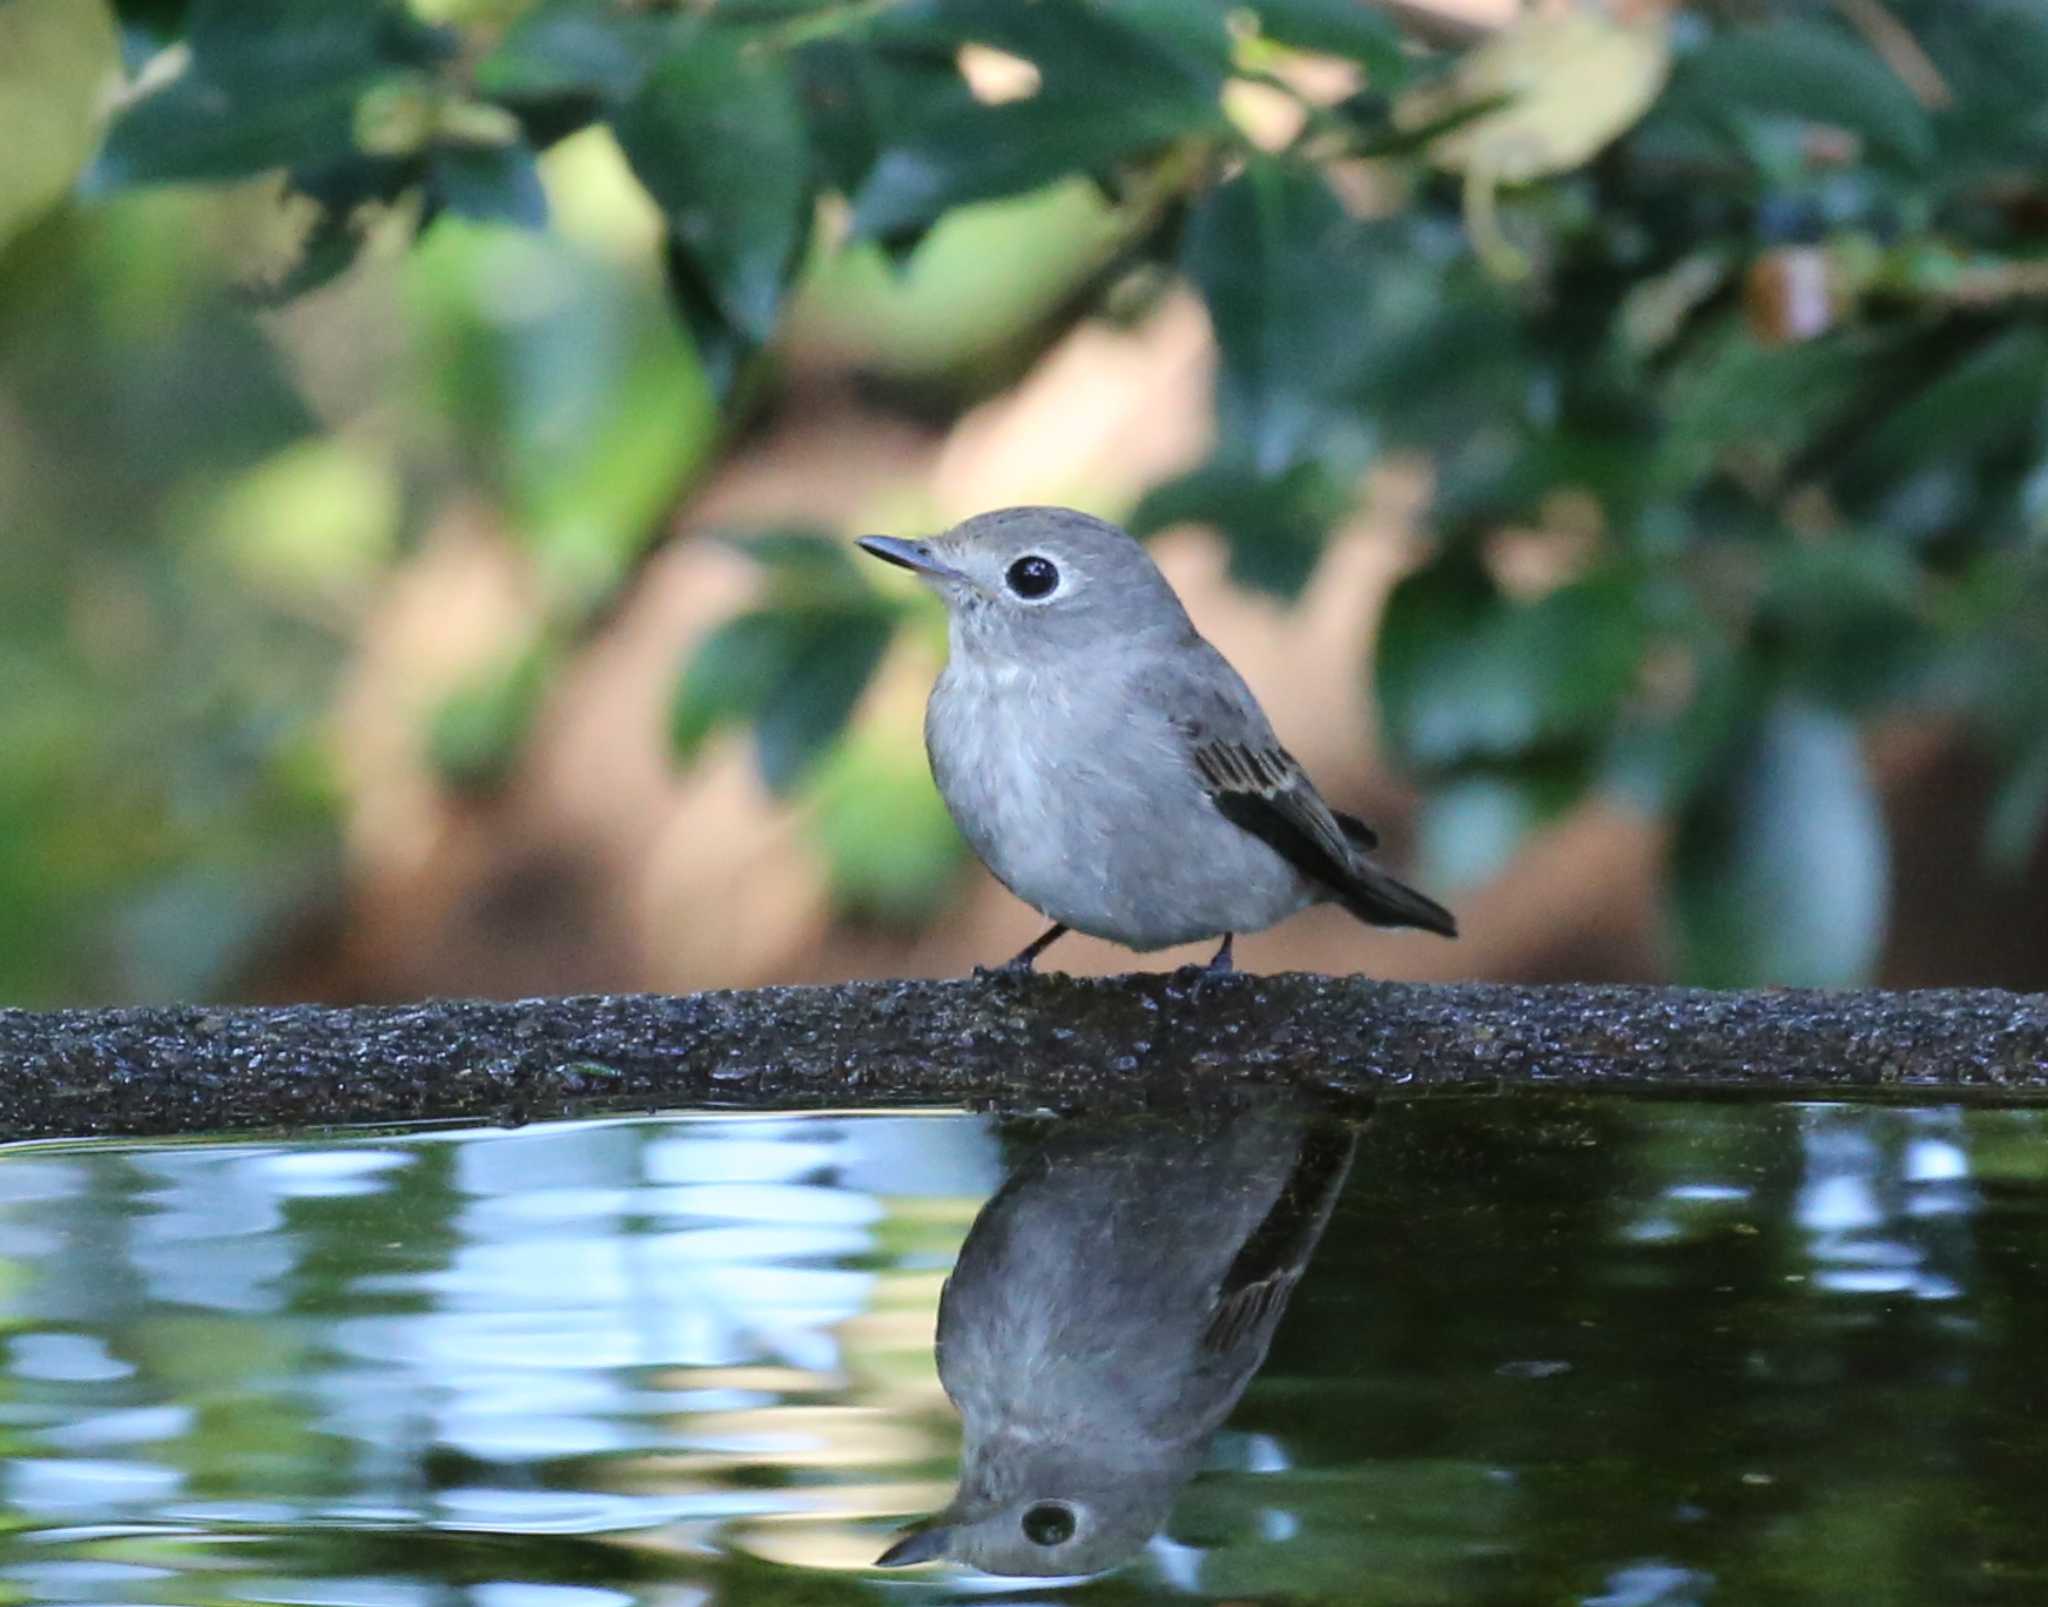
918 1545
915 556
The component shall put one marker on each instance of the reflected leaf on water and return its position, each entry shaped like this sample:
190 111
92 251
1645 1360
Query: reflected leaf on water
1109 1307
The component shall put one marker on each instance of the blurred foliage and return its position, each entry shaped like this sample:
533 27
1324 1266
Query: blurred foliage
1722 328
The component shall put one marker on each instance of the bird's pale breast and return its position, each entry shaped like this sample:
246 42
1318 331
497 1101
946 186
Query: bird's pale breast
1079 796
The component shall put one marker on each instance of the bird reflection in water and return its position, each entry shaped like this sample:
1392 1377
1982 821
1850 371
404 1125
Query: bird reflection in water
1111 1303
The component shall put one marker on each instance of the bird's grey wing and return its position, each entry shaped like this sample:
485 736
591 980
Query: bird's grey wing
1256 785
1252 780
1266 1269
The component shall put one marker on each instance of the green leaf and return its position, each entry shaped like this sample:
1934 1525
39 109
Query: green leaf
891 849
1842 621
795 672
1114 80
1781 873
488 183
55 59
722 350
2019 813
597 49
1466 674
729 676
268 85
1658 759
1347 28
339 190
477 733
717 137
1932 462
157 22
856 97
585 414
194 128
806 710
1288 277
1735 397
1275 526
1812 72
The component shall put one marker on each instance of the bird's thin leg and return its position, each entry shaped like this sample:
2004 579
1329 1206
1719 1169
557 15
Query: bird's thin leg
1027 955
1221 962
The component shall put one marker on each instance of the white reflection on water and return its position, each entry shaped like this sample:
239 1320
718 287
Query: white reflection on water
1652 1584
259 1334
1883 1201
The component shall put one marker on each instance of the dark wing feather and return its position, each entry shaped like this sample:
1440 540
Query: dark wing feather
1363 837
1263 790
1264 1274
1257 786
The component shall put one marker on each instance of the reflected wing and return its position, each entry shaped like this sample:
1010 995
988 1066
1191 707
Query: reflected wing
1273 1258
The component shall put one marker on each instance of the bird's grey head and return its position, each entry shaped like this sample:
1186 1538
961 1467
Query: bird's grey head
1024 584
1043 1510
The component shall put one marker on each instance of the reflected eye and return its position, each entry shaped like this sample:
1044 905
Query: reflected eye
1049 1523
1032 577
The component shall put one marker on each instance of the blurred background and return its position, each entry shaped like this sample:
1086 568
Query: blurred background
1612 439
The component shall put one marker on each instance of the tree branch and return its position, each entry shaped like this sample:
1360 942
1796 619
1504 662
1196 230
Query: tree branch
1031 1041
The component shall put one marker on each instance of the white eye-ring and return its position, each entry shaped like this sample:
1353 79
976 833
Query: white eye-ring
1034 577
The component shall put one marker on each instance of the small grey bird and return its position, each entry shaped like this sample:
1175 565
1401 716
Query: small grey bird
1110 1305
1107 763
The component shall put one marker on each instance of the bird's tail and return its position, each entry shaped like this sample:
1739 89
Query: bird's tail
1381 900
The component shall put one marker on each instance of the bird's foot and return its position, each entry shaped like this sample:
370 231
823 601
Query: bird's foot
1026 957
1220 963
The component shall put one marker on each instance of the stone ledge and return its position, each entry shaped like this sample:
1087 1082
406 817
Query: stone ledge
1052 1041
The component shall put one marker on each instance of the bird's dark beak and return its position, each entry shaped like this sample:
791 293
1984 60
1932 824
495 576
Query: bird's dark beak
918 1545
916 556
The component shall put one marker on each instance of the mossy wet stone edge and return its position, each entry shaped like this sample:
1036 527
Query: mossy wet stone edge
1015 1042
1018 1042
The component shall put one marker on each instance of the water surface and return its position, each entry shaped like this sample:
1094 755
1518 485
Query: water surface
1617 1353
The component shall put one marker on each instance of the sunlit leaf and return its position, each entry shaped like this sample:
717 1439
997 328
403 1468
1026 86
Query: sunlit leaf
56 60
1346 28
1563 85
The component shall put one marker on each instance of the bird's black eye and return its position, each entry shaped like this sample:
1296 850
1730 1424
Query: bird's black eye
1049 1522
1032 577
